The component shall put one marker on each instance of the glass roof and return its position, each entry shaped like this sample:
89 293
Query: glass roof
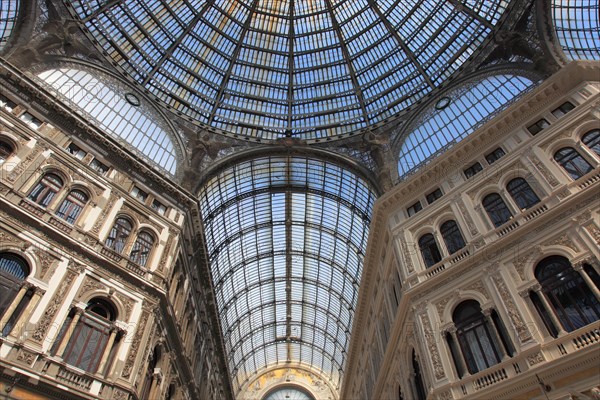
288 393
286 237
9 11
577 26
274 68
455 116
115 112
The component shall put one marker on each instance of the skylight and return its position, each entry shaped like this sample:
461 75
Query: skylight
116 113
454 117
271 69
577 26
286 237
9 11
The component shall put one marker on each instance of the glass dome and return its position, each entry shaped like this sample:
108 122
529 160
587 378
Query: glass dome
282 68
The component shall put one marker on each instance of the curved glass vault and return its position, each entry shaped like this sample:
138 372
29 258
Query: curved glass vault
9 11
114 111
286 237
577 26
457 115
307 69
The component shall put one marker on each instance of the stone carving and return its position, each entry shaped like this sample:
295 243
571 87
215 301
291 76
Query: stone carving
550 178
430 341
477 286
119 394
26 357
163 258
111 202
511 307
521 261
55 303
135 345
127 304
564 193
563 240
467 217
535 358
407 256
23 165
447 395
594 231
45 261
90 285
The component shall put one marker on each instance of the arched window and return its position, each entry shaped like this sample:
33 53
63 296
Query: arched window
476 337
522 193
575 165
46 189
141 248
419 383
72 205
13 271
87 345
6 150
592 140
496 209
571 299
452 236
119 234
429 250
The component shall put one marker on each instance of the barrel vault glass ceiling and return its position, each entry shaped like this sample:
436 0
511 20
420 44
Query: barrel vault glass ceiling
310 69
286 237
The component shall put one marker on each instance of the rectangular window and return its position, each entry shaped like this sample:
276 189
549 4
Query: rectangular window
76 151
99 166
139 194
473 170
159 207
537 127
433 196
30 120
563 109
415 208
7 103
494 155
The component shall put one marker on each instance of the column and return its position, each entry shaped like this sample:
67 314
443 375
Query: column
538 290
579 268
545 333
111 340
11 309
155 388
494 331
69 332
33 302
459 356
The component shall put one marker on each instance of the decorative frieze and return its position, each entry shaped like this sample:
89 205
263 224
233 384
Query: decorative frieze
135 345
535 358
511 308
550 178
24 164
431 344
102 218
470 224
55 303
563 240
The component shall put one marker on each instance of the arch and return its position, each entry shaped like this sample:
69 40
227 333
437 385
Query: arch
496 209
46 189
571 299
572 162
522 193
142 247
477 341
470 105
7 149
14 270
97 98
577 27
72 205
430 251
452 236
592 140
120 234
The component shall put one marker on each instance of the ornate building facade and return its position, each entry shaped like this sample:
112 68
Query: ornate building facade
306 200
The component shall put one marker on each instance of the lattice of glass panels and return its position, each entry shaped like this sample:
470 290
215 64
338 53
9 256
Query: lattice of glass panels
306 69
96 99
286 237
9 11
463 111
577 26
